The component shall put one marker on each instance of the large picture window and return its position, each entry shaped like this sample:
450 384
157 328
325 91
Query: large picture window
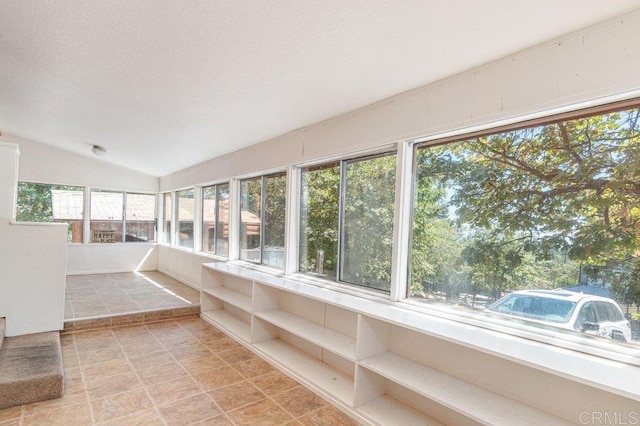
40 202
547 207
262 223
215 219
346 221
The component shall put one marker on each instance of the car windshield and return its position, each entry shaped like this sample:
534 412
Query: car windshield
535 307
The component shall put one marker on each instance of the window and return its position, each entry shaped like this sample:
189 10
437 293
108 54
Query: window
184 214
263 201
540 207
346 221
166 213
319 220
121 216
140 216
107 216
39 202
215 219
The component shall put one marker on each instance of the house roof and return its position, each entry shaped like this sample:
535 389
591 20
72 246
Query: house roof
68 205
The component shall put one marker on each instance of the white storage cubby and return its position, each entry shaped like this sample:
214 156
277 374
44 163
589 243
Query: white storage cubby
383 364
308 338
394 362
226 301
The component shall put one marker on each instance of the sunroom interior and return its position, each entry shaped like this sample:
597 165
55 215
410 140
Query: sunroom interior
300 229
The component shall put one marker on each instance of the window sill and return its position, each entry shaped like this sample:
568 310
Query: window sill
54 224
212 256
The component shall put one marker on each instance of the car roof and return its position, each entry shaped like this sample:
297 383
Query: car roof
562 295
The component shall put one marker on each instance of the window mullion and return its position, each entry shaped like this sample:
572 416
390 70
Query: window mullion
124 217
400 258
341 201
263 204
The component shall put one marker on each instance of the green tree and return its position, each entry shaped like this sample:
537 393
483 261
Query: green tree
367 233
528 206
34 202
319 219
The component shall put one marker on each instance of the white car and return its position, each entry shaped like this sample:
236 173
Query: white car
565 309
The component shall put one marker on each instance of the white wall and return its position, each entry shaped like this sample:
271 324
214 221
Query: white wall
32 262
111 258
589 66
182 265
48 164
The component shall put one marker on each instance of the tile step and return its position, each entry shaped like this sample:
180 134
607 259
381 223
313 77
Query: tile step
117 320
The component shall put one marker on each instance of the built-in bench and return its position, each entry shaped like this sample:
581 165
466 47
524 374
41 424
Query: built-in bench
30 368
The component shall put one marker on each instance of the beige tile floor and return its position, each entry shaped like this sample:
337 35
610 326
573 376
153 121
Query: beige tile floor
175 372
101 295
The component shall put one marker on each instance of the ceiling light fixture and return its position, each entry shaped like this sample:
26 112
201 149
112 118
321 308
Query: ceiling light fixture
98 150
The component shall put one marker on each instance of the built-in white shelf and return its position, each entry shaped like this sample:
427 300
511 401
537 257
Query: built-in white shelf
465 398
385 364
385 410
232 297
326 338
229 323
308 369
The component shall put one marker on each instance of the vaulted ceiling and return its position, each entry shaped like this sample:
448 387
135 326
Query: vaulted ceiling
165 84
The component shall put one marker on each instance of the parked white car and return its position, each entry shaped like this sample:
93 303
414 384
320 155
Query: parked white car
590 314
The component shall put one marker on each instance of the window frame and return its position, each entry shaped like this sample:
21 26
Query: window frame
124 215
263 201
575 342
217 223
80 189
341 163
176 221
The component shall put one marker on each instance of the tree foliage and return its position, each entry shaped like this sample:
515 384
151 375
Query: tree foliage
532 199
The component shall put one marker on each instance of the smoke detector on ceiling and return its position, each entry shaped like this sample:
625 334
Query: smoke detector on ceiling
98 150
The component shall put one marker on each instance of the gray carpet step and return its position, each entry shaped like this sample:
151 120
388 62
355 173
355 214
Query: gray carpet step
30 369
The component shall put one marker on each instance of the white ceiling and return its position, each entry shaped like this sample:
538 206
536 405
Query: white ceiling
165 84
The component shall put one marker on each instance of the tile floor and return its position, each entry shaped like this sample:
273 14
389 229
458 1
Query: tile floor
100 295
174 372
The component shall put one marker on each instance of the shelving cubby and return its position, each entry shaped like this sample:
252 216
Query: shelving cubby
226 300
315 341
396 365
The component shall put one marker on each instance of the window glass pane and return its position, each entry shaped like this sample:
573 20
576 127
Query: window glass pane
367 231
107 210
209 219
275 201
543 207
140 217
319 210
222 220
184 213
166 224
250 211
39 202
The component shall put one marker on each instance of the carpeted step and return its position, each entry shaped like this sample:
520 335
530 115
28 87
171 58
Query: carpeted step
31 369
